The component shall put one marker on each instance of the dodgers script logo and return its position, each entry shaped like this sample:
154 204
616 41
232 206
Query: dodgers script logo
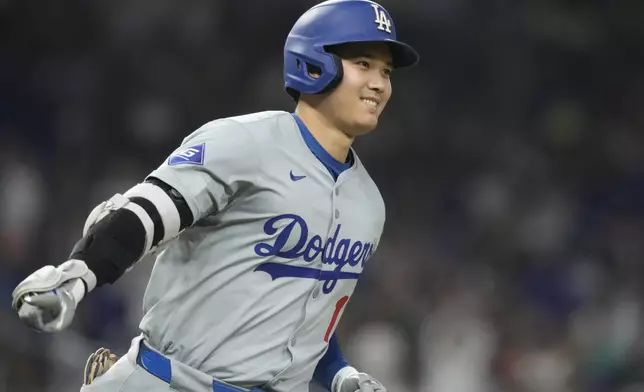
337 251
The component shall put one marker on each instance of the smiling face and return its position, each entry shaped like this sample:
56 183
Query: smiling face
356 103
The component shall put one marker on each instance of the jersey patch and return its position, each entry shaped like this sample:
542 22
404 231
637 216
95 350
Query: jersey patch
192 155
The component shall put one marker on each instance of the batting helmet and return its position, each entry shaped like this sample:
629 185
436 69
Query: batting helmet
330 23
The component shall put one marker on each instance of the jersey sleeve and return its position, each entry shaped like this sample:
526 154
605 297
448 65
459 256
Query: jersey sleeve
212 166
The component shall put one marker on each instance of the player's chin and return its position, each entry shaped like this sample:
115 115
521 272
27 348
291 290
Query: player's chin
361 128
367 123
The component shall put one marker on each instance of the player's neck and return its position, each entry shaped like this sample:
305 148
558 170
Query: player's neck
336 142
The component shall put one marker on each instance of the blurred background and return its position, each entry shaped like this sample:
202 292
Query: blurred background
511 161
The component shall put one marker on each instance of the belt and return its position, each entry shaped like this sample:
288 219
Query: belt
160 367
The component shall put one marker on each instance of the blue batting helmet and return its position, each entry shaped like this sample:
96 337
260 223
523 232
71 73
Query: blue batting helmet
335 22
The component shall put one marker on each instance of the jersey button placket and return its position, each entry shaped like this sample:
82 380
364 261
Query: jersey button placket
336 192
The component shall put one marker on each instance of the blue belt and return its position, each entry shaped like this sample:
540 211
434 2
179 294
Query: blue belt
159 366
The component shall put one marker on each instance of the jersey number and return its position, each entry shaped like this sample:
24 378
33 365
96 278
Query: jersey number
338 308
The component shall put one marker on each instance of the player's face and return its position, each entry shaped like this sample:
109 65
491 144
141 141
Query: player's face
365 89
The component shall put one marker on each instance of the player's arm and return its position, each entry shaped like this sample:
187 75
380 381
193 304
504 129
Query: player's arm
213 166
117 234
335 374
330 364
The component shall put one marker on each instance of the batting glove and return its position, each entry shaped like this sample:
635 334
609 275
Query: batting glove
349 379
46 300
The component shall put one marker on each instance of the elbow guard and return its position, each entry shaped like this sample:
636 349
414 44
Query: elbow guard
125 228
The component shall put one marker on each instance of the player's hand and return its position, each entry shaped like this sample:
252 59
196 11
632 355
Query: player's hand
46 300
359 382
51 311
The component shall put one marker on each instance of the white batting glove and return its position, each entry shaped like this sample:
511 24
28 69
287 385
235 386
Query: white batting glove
349 379
48 312
46 300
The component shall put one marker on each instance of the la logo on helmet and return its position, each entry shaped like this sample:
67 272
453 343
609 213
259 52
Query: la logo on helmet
382 21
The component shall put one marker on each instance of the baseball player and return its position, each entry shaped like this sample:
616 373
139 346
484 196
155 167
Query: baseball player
261 225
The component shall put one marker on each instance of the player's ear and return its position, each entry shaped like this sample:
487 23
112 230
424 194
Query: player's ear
313 71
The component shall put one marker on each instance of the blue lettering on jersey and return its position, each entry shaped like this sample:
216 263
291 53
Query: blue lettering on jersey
192 155
337 251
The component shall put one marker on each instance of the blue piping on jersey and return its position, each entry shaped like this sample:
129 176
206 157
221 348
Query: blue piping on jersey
334 166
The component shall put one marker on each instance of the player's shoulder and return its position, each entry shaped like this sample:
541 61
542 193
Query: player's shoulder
259 118
259 124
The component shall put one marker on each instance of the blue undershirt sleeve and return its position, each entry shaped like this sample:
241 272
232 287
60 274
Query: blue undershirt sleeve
330 364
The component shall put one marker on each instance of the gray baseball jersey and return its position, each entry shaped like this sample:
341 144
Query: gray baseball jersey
251 293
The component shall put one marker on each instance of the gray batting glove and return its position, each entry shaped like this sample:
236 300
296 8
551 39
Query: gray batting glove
48 312
46 300
361 382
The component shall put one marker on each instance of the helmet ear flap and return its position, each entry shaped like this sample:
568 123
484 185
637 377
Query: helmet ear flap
310 69
337 78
